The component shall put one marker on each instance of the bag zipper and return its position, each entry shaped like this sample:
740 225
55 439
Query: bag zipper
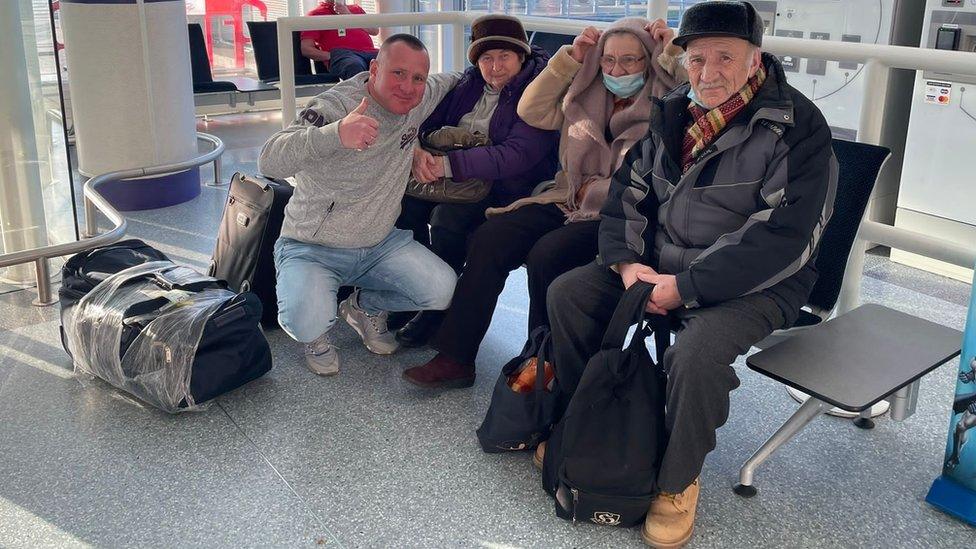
234 199
324 219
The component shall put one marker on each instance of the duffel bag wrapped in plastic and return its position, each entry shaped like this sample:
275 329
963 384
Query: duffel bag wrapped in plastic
168 335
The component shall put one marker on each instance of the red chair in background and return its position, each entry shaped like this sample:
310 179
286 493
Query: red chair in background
55 6
234 9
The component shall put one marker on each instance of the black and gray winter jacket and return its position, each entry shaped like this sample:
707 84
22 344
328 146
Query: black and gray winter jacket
746 217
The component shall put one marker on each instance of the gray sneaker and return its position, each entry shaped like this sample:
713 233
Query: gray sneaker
321 356
372 328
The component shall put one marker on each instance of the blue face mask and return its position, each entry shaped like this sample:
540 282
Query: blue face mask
624 86
694 97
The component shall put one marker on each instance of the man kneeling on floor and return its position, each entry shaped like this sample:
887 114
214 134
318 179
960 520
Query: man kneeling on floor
721 206
350 152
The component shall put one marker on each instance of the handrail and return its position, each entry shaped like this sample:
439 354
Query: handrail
91 218
94 202
901 57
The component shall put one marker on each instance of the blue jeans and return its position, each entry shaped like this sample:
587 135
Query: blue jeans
398 274
348 63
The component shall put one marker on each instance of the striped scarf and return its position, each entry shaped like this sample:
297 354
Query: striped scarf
706 124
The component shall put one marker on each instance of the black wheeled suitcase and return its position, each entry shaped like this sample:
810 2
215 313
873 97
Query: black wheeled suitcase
244 255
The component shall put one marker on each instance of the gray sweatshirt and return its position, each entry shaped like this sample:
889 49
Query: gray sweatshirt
346 198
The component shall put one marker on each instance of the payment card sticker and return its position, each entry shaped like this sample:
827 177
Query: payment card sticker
937 92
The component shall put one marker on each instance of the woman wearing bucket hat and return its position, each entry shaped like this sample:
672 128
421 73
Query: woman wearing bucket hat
517 158
597 93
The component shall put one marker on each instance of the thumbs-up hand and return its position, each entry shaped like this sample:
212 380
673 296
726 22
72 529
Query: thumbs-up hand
357 130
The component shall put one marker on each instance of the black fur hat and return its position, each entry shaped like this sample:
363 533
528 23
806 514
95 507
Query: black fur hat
494 31
720 18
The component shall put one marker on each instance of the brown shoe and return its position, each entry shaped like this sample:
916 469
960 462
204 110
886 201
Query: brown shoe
441 372
539 455
671 519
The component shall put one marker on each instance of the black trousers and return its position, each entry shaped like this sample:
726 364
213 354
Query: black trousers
698 364
535 235
450 226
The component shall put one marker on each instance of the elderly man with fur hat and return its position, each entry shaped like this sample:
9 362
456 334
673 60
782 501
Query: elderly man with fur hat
720 206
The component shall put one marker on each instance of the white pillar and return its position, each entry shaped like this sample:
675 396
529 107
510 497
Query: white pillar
657 9
22 225
392 6
132 95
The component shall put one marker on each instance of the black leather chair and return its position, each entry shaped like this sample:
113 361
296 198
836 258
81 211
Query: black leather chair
859 166
203 81
549 41
264 40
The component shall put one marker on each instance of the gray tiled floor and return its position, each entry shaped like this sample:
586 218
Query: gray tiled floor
363 459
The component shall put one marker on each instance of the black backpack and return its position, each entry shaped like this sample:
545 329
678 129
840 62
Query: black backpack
519 421
602 460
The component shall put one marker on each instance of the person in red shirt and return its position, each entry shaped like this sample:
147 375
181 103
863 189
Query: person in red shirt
347 52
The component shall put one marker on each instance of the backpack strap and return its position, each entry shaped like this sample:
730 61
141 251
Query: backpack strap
541 358
661 325
631 309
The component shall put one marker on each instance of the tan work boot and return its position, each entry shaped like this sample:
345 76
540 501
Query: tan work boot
539 455
671 518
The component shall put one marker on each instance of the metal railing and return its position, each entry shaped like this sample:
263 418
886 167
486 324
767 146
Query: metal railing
95 202
91 214
878 60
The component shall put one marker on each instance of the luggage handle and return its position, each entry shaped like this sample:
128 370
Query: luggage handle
631 308
168 284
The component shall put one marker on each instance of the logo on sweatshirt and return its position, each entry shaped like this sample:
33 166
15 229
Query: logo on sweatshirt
312 117
408 138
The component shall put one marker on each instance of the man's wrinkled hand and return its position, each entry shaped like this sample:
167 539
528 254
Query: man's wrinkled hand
629 271
357 130
665 296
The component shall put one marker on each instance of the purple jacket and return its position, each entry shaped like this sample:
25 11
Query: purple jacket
520 156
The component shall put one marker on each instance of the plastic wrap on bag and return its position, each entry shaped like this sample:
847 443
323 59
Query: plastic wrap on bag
156 366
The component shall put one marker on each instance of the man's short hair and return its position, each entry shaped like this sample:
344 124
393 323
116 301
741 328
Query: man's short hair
410 40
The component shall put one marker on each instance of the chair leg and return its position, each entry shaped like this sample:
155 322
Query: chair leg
876 410
804 415
863 420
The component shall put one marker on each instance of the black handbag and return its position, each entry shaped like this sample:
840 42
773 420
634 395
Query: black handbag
520 421
602 460
439 143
